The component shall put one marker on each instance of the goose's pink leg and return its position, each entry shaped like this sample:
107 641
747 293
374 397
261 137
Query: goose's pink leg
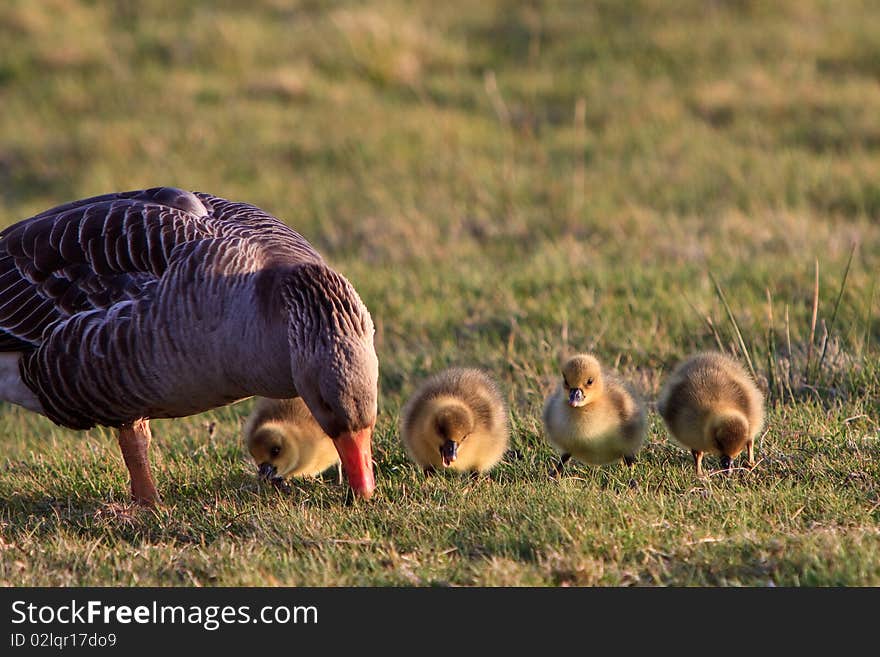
134 440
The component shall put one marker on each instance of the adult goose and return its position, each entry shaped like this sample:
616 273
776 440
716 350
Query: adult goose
163 303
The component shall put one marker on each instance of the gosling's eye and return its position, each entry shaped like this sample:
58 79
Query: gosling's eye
589 382
275 451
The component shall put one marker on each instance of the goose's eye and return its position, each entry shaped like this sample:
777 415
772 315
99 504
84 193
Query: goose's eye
589 381
275 451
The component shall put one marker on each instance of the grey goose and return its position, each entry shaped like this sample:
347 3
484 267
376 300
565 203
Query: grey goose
163 303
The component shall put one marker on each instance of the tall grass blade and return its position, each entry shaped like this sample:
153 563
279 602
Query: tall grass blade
836 306
790 354
866 338
812 325
739 335
775 389
707 321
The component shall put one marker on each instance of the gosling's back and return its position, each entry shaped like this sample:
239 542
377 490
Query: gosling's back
706 393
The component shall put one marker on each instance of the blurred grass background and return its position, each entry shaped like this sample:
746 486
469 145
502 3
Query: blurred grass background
501 181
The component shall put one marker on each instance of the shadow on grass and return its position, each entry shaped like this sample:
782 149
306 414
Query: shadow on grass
225 506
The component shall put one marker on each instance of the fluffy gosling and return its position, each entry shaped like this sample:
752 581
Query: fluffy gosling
457 420
711 404
285 441
593 416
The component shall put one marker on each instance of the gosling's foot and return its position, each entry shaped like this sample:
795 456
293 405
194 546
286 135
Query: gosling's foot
556 472
629 462
698 463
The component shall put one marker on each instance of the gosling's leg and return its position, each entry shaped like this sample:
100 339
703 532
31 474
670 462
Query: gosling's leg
629 462
698 462
750 447
557 470
134 441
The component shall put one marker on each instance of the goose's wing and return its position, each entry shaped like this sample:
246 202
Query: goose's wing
96 252
88 255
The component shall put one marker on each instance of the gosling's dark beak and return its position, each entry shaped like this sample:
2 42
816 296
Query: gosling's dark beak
267 471
449 452
575 396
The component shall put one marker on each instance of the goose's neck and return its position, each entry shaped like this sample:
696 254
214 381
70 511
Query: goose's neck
322 307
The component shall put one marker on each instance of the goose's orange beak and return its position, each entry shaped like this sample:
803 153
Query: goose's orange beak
356 453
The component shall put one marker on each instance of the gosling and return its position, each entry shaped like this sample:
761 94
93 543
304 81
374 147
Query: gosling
593 416
456 420
285 441
711 404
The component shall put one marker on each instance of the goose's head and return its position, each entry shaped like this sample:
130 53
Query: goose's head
340 390
582 380
334 365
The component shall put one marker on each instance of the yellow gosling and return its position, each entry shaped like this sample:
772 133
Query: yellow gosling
593 416
457 420
285 440
711 405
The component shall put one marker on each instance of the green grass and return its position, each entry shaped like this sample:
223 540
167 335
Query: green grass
500 181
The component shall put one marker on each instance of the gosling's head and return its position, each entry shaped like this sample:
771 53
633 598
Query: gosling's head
730 432
453 424
273 450
582 379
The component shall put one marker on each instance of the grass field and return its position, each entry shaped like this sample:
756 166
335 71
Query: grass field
501 182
